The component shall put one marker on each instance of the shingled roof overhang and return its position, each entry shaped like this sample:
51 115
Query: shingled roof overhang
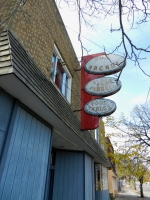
20 77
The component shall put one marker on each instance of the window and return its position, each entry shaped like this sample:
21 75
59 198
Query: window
101 177
98 177
60 74
96 131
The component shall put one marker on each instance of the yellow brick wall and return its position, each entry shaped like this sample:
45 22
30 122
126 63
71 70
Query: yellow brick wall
7 9
38 26
110 183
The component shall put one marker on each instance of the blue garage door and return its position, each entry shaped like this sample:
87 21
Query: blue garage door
69 176
25 167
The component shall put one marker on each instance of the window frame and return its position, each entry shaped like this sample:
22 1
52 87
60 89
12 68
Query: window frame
65 91
96 133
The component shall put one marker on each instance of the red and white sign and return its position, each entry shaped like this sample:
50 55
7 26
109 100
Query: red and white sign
100 107
105 64
93 85
104 86
88 122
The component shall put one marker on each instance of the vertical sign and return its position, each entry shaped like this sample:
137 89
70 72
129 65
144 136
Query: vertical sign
88 122
94 86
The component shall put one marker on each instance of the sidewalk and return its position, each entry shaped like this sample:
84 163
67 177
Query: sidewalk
129 194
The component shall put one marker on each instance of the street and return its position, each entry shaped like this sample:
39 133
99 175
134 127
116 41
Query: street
128 193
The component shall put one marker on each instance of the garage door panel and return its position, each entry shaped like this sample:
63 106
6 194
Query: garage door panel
26 163
7 177
40 165
14 161
21 147
33 170
28 160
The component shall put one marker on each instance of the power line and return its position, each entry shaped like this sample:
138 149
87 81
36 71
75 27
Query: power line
87 38
84 37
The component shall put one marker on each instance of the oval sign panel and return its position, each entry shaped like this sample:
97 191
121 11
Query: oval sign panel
104 86
100 107
105 64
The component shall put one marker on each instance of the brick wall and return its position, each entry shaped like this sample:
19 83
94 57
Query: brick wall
110 182
111 175
38 26
7 9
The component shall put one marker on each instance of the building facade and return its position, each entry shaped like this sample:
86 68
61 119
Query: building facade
107 179
112 176
43 153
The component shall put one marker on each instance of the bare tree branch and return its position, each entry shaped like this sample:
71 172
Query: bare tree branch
132 11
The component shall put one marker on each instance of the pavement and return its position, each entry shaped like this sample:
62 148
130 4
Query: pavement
127 193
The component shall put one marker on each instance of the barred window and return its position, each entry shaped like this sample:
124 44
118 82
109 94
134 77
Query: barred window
101 177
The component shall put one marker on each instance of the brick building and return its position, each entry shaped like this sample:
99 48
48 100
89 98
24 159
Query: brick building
112 176
107 179
43 153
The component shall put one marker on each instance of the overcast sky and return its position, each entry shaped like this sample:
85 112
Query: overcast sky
135 85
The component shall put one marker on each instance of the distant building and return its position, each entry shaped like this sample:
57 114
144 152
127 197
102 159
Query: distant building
107 178
112 176
43 153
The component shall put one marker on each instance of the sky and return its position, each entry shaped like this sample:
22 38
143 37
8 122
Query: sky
135 85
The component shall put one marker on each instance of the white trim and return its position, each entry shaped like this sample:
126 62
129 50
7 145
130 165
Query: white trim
55 68
69 89
58 56
96 131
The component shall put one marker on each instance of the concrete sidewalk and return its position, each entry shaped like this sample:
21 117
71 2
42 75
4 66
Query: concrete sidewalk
129 194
